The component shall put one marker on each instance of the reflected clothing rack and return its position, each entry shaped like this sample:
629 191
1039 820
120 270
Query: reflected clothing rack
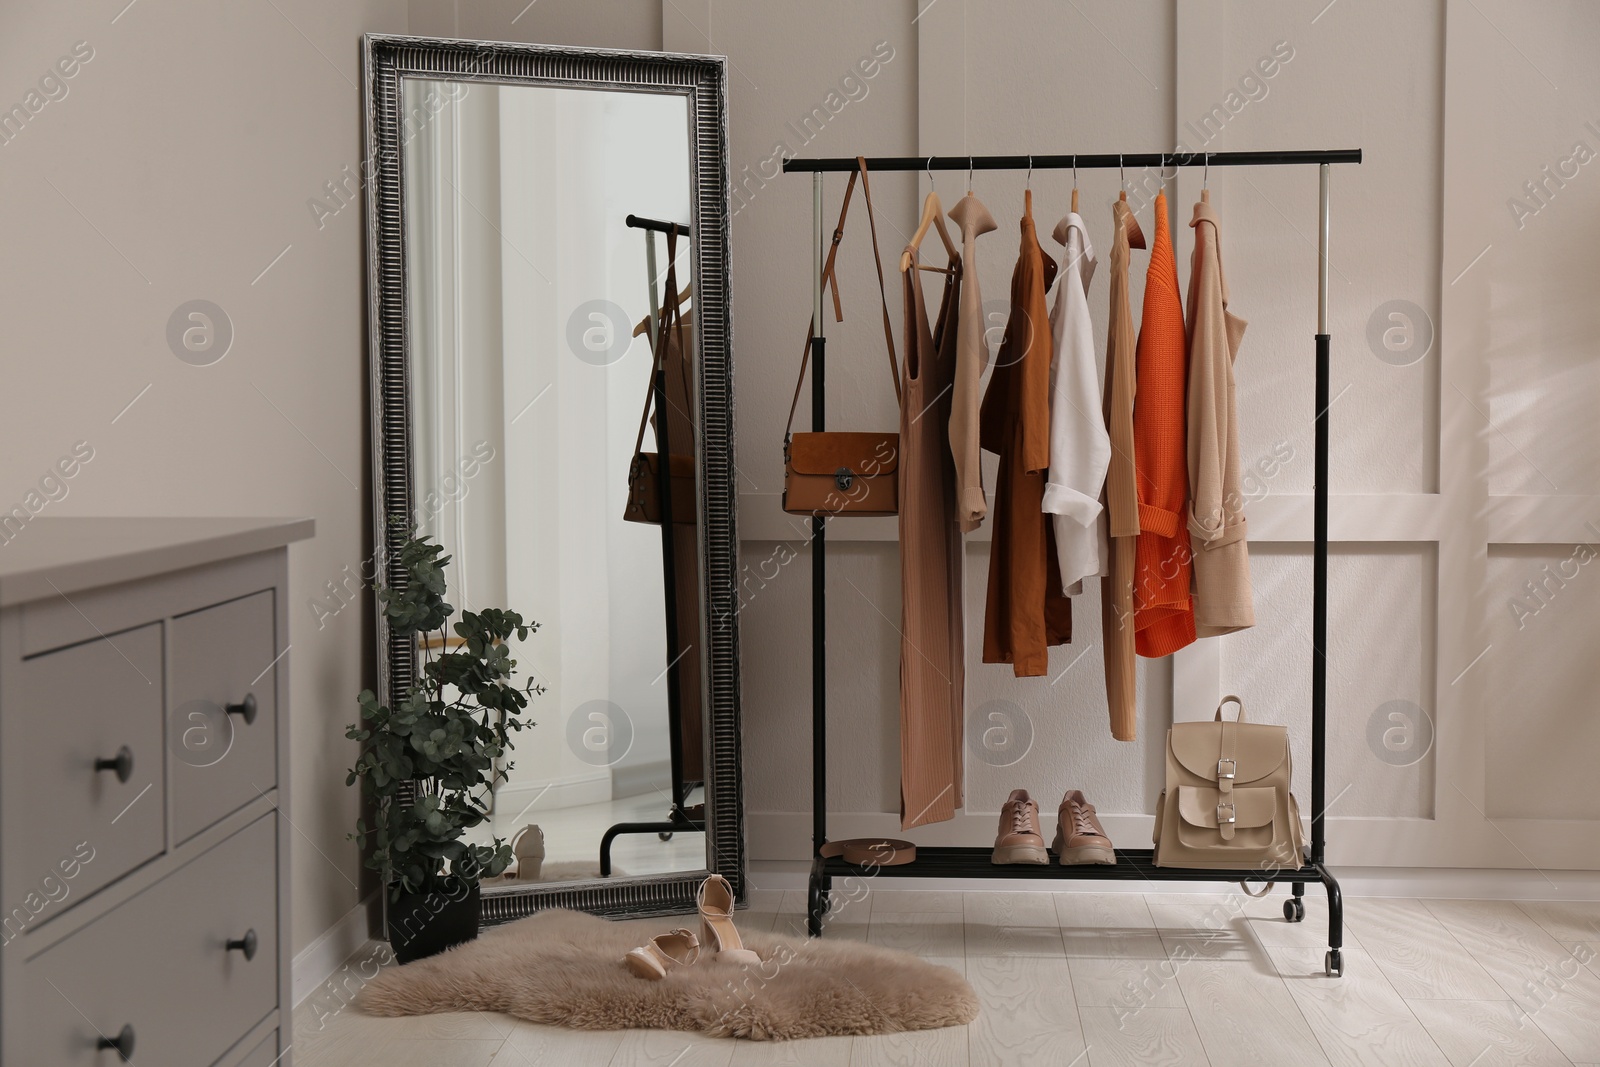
680 816
974 862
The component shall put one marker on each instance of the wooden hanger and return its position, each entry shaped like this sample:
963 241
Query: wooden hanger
1135 234
644 323
932 215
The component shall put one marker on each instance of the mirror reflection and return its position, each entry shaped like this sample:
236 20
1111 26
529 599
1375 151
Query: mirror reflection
554 456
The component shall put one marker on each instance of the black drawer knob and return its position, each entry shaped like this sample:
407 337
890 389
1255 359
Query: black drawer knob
245 709
122 1043
246 944
122 763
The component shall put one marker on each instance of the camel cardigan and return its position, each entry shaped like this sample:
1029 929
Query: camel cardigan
1163 612
1216 517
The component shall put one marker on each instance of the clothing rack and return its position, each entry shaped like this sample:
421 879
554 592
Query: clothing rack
680 815
973 862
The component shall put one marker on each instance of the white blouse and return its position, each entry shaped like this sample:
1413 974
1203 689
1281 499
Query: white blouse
1080 447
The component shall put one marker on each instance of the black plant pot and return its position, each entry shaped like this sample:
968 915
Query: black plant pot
426 923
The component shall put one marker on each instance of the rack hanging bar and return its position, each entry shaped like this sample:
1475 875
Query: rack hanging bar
1097 161
639 222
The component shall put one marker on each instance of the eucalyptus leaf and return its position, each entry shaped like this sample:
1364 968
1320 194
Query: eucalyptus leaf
425 761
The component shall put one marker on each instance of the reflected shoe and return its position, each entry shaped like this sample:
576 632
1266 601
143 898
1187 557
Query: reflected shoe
717 932
1079 836
662 953
528 848
1019 839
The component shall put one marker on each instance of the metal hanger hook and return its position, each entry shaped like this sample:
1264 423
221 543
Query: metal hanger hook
1029 184
1074 170
928 166
1205 182
969 174
1122 175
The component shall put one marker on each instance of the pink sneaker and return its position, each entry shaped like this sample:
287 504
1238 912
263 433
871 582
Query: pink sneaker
1079 836
1019 840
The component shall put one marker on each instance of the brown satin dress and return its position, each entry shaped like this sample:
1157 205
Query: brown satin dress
1026 611
932 629
681 438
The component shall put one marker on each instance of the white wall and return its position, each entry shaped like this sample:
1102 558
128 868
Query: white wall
180 165
186 150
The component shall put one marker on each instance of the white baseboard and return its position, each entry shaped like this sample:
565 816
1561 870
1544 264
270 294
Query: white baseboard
513 801
640 779
315 963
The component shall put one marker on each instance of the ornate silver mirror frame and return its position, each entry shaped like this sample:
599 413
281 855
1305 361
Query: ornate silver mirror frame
702 80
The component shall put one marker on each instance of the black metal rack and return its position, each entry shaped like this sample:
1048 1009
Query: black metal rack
970 862
680 815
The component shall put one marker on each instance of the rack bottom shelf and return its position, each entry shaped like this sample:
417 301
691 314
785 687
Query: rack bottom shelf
1133 864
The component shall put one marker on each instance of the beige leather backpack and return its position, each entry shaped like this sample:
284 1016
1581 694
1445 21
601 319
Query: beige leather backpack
1227 803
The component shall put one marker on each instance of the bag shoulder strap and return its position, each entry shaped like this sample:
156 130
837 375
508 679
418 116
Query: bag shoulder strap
830 279
883 293
671 315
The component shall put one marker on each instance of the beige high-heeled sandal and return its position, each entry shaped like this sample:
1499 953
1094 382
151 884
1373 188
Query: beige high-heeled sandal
528 848
717 932
679 948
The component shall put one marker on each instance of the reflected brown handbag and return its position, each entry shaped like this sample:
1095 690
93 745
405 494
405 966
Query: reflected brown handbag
829 472
644 471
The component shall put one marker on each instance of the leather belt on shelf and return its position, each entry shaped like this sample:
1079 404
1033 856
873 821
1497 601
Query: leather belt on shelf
871 851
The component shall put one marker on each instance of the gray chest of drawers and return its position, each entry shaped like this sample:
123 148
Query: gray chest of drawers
144 809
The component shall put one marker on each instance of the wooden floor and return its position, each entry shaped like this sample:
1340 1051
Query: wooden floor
1091 980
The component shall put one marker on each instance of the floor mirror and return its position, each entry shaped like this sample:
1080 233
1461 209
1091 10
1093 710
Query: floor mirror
551 401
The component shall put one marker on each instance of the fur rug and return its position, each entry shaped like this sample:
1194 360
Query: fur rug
565 968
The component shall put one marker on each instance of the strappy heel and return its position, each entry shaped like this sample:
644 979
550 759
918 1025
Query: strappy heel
717 932
528 847
679 948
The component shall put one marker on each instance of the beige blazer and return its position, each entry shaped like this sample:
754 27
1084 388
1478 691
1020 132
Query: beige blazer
972 358
1222 600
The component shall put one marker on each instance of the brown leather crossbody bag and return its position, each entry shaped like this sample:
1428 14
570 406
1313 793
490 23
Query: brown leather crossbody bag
844 473
644 472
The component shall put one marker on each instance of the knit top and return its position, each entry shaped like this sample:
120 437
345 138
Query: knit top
1163 612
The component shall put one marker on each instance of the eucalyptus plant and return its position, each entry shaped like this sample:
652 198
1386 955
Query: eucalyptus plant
430 763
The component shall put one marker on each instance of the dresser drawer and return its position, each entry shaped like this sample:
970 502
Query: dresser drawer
264 1054
222 657
72 708
159 965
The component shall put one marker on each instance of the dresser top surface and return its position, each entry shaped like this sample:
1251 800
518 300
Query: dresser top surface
50 556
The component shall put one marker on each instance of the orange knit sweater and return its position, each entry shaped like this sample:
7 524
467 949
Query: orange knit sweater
1163 614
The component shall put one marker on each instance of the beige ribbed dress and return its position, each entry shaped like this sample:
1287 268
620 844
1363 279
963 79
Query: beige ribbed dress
932 638
1122 491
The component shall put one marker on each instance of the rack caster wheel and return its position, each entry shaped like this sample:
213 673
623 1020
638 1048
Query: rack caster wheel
1294 910
667 836
1334 963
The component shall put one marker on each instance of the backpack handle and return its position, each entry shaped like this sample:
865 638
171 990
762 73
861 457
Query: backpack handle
1237 702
